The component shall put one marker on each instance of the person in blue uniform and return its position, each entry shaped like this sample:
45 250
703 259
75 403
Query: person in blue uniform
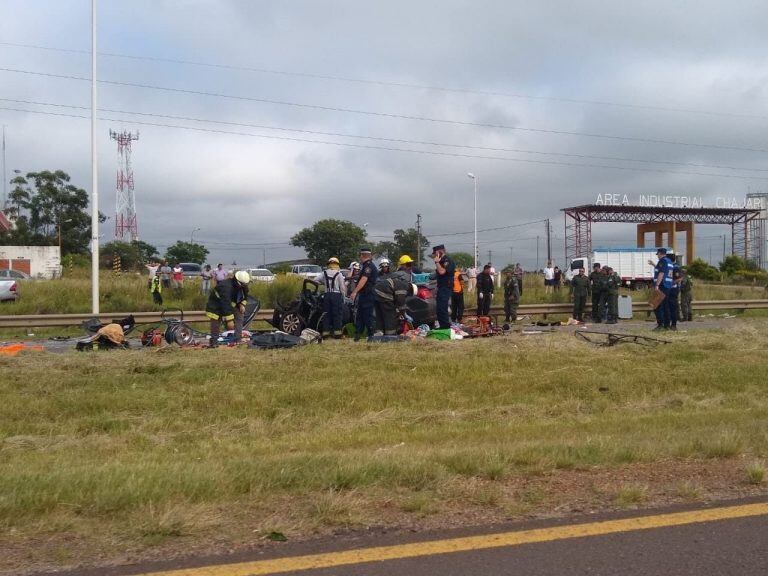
364 296
662 282
445 268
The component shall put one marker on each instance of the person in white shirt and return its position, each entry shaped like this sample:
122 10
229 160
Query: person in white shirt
472 277
549 278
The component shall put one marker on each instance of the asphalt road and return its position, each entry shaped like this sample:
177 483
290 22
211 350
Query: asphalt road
728 539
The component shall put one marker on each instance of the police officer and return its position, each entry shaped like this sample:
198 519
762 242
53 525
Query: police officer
484 291
580 287
594 281
511 295
662 282
444 267
391 290
363 292
333 300
224 300
602 286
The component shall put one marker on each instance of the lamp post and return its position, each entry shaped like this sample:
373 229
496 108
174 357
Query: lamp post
192 236
474 179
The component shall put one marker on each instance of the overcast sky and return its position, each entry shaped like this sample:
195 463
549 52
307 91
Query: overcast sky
687 72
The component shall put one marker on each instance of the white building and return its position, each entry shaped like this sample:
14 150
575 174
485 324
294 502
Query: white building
37 261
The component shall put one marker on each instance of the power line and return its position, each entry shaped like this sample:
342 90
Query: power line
520 225
389 114
394 149
395 84
396 140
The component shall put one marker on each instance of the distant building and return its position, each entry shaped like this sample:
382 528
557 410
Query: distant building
37 261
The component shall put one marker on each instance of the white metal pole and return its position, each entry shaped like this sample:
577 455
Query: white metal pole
474 179
94 174
5 181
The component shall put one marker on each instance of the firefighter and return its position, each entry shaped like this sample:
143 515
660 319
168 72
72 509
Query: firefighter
579 293
333 300
405 263
225 301
391 290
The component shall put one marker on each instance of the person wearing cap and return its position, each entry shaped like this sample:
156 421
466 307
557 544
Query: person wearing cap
226 303
333 301
444 267
580 285
612 283
364 295
673 306
662 283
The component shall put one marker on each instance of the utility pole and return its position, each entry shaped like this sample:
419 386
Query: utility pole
549 242
5 180
537 253
490 254
418 241
94 173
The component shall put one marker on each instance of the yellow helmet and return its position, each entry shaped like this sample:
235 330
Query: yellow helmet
404 259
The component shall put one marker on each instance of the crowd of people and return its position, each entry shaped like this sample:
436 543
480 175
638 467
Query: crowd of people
379 292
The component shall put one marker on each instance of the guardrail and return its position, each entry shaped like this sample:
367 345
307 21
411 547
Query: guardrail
54 320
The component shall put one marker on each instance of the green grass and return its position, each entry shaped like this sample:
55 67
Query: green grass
756 473
150 446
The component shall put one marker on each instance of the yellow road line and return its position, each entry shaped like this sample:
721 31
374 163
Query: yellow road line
483 542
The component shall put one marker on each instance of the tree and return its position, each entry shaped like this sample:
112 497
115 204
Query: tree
133 255
700 269
732 264
44 205
463 259
186 252
404 242
327 238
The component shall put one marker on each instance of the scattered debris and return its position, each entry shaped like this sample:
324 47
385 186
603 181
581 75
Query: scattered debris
612 338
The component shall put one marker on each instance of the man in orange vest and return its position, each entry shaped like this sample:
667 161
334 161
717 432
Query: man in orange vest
457 297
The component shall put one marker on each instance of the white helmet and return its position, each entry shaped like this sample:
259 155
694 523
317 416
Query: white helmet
384 263
354 266
242 276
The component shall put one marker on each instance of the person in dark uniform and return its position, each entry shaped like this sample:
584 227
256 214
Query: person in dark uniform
511 296
594 281
686 297
333 301
580 286
673 299
363 292
445 269
391 290
484 291
612 283
662 282
225 300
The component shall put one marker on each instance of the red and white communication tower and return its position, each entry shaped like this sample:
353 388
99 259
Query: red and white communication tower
126 225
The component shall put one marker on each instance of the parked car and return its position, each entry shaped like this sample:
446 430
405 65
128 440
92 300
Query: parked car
13 275
261 275
310 271
8 290
190 269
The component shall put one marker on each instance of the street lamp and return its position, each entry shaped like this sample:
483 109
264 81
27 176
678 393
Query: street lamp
474 179
192 236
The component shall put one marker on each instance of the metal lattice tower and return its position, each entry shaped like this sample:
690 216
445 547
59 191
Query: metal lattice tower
758 244
126 225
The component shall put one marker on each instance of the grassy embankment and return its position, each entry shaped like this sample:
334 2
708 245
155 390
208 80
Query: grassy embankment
114 452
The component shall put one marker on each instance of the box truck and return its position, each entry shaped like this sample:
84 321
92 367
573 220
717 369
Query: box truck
633 265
